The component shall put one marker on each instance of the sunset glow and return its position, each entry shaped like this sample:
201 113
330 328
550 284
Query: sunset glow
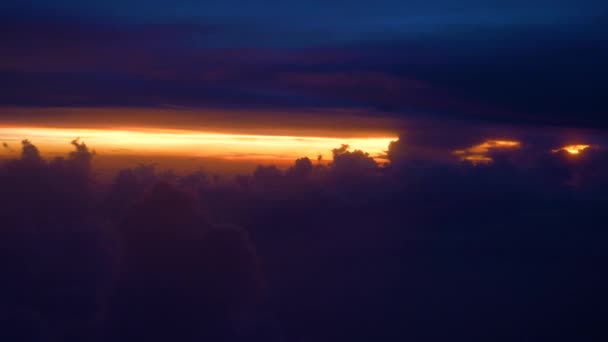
477 154
188 143
573 149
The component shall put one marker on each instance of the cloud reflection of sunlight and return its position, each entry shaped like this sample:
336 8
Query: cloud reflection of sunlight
478 154
573 149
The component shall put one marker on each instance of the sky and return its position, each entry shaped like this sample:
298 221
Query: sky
275 67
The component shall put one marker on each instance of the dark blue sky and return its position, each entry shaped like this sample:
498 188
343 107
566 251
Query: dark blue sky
538 62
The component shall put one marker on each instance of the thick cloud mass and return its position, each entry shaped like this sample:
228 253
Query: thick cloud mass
349 250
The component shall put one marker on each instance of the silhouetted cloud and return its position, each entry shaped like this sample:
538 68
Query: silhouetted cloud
29 152
267 176
219 259
355 164
302 168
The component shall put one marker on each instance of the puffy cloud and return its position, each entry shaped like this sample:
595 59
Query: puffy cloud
355 164
29 152
399 239
302 168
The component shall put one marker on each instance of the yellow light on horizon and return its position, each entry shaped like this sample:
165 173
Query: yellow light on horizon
189 143
573 149
477 154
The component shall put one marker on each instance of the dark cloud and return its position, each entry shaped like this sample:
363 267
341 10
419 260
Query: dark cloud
302 169
29 152
516 73
352 165
278 254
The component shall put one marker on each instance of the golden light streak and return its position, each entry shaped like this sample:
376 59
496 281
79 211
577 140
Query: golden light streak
572 149
477 154
189 143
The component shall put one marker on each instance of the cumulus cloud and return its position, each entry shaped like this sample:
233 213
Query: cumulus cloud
196 255
302 168
347 164
29 152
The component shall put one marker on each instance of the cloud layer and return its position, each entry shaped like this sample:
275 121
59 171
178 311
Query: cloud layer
500 62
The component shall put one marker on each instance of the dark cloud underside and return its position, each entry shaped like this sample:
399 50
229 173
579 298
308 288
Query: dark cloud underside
512 62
